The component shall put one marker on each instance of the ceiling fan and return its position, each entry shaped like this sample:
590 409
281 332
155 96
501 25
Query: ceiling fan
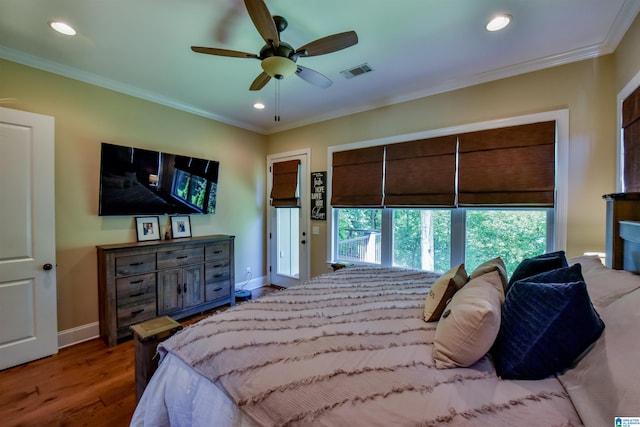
278 59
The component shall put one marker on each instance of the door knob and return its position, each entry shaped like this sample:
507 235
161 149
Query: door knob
303 241
47 267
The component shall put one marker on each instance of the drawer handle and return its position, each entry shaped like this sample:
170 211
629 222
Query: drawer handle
135 313
218 275
137 281
137 295
217 266
135 264
217 289
217 252
183 257
179 289
185 288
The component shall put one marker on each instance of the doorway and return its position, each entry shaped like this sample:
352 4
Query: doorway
287 231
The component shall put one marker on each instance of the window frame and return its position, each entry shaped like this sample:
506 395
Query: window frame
556 227
458 231
207 195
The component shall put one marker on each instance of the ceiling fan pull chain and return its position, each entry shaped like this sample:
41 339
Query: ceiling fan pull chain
277 103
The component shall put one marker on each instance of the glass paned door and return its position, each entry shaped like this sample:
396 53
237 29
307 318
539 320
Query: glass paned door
288 253
288 245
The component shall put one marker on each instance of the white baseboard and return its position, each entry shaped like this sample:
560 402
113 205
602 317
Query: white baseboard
87 332
78 334
252 284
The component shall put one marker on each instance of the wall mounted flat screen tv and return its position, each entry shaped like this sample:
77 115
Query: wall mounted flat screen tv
135 181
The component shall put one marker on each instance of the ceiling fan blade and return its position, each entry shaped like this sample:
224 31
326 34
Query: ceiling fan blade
329 44
313 77
260 81
228 21
263 21
223 52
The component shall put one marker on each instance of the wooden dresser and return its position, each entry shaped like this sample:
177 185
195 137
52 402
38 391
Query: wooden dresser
176 278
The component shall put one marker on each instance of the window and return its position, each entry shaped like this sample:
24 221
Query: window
195 190
437 239
359 234
499 188
512 234
422 239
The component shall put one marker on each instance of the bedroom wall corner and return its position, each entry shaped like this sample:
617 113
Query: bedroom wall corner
627 56
87 115
586 88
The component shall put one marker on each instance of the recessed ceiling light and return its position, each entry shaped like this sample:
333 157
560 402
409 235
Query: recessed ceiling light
499 22
62 28
258 106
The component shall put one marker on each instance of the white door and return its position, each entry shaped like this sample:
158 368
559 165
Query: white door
28 316
288 252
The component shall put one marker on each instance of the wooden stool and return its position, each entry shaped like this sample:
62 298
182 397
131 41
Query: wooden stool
147 336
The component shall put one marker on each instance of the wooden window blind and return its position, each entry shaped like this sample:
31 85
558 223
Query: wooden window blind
357 177
421 173
204 168
631 141
513 166
284 189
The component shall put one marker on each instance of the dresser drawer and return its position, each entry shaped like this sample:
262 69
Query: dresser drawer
218 270
134 312
135 288
177 258
217 251
217 290
135 264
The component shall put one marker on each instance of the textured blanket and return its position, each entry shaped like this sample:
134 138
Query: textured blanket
350 348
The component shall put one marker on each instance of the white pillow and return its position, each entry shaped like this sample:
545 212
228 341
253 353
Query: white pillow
492 265
470 323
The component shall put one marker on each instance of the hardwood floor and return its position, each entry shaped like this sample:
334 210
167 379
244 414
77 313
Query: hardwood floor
88 384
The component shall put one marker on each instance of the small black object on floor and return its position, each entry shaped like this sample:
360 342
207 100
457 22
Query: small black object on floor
242 295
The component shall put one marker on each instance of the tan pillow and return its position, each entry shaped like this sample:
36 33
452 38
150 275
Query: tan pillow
470 323
491 265
442 291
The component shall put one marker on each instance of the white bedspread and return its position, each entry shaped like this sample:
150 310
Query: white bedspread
345 349
178 396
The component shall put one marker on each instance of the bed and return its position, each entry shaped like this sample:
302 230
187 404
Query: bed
353 348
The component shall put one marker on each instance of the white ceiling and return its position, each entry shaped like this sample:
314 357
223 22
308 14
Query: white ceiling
415 47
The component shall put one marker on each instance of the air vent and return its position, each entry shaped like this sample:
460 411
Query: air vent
356 71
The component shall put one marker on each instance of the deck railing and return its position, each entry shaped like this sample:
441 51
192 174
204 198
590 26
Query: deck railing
361 249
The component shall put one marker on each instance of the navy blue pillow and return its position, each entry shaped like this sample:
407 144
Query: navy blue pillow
538 264
548 321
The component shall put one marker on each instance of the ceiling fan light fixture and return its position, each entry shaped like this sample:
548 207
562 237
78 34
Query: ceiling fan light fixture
499 22
278 67
62 28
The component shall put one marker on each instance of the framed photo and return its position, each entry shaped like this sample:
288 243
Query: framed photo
147 228
180 226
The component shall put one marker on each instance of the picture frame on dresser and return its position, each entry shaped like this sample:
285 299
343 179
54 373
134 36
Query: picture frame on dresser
180 226
147 228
